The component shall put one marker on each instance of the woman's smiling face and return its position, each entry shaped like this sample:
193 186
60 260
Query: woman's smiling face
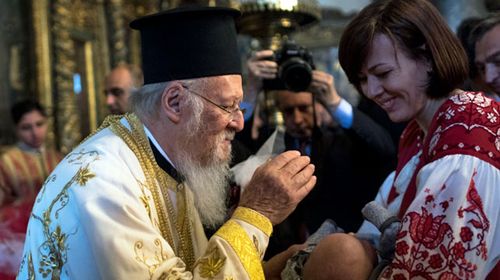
395 81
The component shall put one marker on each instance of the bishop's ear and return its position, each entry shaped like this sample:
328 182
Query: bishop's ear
170 101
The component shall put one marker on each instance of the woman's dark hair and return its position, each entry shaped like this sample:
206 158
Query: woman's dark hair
21 108
418 29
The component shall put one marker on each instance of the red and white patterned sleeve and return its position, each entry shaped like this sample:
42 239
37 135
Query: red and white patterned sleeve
450 230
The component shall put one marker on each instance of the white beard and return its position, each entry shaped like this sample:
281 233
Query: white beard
209 186
206 175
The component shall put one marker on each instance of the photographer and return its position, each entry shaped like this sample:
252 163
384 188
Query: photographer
351 152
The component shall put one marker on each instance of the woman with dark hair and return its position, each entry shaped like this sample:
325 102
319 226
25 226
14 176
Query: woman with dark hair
446 189
23 169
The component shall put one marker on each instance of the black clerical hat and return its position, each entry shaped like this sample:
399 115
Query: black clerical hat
188 42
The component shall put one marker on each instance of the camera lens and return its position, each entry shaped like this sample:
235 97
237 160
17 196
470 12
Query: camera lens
296 74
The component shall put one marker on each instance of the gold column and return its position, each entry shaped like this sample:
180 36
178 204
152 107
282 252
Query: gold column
102 59
68 127
92 98
43 70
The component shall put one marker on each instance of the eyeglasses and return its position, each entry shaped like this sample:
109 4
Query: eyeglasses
228 109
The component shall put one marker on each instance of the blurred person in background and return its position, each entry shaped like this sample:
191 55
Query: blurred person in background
486 40
23 169
120 83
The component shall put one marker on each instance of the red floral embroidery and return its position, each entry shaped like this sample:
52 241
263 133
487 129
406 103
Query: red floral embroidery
466 234
445 205
436 261
458 250
448 276
429 248
429 199
426 229
399 277
402 248
468 124
438 241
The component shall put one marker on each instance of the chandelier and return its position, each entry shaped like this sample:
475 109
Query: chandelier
269 18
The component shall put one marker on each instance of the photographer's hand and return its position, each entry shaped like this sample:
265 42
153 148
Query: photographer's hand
323 86
338 110
261 66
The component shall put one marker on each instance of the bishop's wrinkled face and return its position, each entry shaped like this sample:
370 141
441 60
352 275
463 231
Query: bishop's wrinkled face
32 129
392 79
204 150
220 119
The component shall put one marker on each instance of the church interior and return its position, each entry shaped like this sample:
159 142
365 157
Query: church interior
59 51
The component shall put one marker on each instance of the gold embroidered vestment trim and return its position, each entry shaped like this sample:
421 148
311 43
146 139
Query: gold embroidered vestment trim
244 247
176 228
254 218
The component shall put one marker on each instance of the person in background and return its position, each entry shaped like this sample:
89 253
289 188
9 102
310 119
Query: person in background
131 201
25 166
486 40
120 83
23 169
446 188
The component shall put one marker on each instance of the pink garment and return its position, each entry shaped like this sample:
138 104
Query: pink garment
13 222
22 173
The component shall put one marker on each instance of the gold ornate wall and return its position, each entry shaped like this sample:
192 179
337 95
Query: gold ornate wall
76 43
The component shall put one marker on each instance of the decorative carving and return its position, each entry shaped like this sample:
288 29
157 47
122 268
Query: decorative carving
119 47
68 127
77 35
133 9
83 14
83 36
139 8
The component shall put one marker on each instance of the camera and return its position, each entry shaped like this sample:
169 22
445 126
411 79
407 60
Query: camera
295 65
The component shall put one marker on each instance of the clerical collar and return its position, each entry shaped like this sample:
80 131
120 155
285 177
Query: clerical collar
161 157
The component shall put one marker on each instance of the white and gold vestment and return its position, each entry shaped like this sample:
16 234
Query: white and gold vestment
107 212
